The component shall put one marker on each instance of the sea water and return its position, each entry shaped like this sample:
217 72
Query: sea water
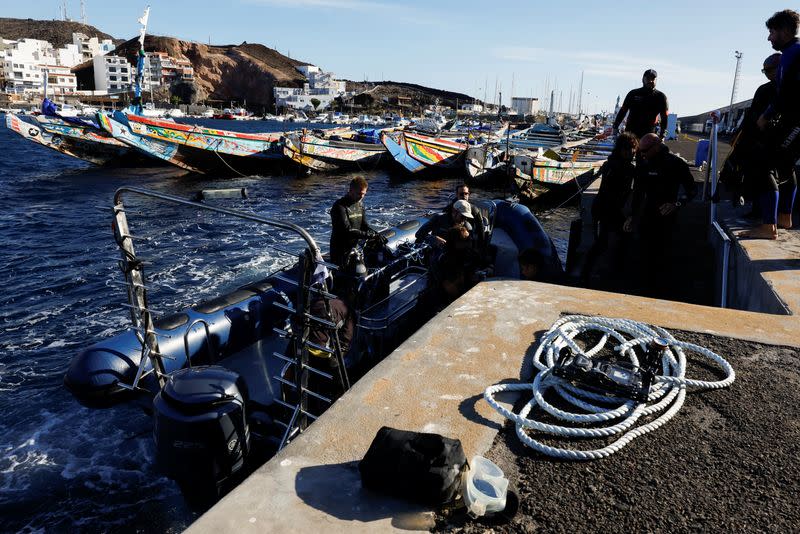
64 467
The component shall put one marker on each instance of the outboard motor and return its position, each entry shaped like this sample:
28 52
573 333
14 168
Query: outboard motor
201 433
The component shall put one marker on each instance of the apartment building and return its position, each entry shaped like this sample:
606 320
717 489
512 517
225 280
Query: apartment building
112 74
162 69
60 80
321 86
90 47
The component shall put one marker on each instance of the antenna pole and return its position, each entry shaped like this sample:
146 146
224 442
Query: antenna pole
738 56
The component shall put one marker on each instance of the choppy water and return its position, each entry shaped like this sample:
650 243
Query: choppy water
64 467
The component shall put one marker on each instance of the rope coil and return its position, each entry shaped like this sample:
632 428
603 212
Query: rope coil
666 394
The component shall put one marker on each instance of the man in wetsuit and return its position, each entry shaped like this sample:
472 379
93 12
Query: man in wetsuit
459 214
643 105
349 221
744 171
780 123
660 175
479 231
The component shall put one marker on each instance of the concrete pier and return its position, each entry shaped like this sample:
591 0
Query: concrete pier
434 382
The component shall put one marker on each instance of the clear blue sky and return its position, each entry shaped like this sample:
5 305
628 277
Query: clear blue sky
465 45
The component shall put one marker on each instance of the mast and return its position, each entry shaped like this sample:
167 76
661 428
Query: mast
137 94
738 56
580 95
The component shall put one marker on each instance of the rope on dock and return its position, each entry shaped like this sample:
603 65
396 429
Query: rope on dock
666 394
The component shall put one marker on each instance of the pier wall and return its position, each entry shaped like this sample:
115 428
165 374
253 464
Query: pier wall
754 266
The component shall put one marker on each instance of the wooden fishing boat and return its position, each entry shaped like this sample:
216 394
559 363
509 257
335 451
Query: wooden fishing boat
83 143
417 152
485 163
211 150
117 125
323 154
573 162
195 148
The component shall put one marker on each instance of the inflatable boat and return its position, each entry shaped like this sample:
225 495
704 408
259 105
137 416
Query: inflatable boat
240 372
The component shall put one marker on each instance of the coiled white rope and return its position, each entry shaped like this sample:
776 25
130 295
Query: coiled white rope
667 392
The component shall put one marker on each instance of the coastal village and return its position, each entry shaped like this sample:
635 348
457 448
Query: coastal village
456 369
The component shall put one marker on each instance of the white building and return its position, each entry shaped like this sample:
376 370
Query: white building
69 56
525 105
321 86
60 80
112 74
91 47
23 62
474 108
163 69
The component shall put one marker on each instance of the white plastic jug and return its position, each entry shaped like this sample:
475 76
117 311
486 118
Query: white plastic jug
485 487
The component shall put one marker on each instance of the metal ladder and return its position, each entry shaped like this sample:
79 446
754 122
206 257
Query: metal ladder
298 358
152 360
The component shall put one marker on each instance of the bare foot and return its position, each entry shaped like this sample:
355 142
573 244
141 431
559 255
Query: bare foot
764 231
785 220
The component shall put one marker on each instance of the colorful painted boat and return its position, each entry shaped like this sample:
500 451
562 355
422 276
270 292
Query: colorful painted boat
416 152
486 163
321 154
210 150
549 171
117 125
74 141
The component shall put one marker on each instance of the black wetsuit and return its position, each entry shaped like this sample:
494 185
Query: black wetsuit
608 209
750 147
438 226
349 224
783 137
477 231
658 181
643 106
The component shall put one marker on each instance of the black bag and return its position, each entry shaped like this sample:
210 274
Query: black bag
424 468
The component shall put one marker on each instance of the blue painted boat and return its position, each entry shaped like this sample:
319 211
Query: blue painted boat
117 125
399 153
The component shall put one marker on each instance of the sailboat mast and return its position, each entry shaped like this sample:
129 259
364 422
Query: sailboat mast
140 58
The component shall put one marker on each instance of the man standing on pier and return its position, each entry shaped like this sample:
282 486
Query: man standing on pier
643 105
781 126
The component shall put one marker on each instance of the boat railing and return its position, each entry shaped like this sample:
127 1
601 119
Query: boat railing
313 273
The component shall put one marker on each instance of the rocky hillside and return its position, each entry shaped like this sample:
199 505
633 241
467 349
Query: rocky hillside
420 95
56 32
245 72
224 73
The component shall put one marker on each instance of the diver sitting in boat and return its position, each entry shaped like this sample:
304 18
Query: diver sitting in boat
460 214
349 221
479 235
460 267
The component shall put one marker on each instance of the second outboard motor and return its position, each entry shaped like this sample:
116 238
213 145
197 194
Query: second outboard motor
201 433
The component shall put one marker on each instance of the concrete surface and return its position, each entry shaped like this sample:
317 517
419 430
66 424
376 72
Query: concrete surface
434 383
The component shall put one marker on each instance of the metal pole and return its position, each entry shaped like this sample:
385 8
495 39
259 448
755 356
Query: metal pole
729 122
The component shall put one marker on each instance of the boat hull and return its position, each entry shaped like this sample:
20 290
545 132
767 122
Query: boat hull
417 152
485 165
195 151
117 125
85 148
320 154
241 323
